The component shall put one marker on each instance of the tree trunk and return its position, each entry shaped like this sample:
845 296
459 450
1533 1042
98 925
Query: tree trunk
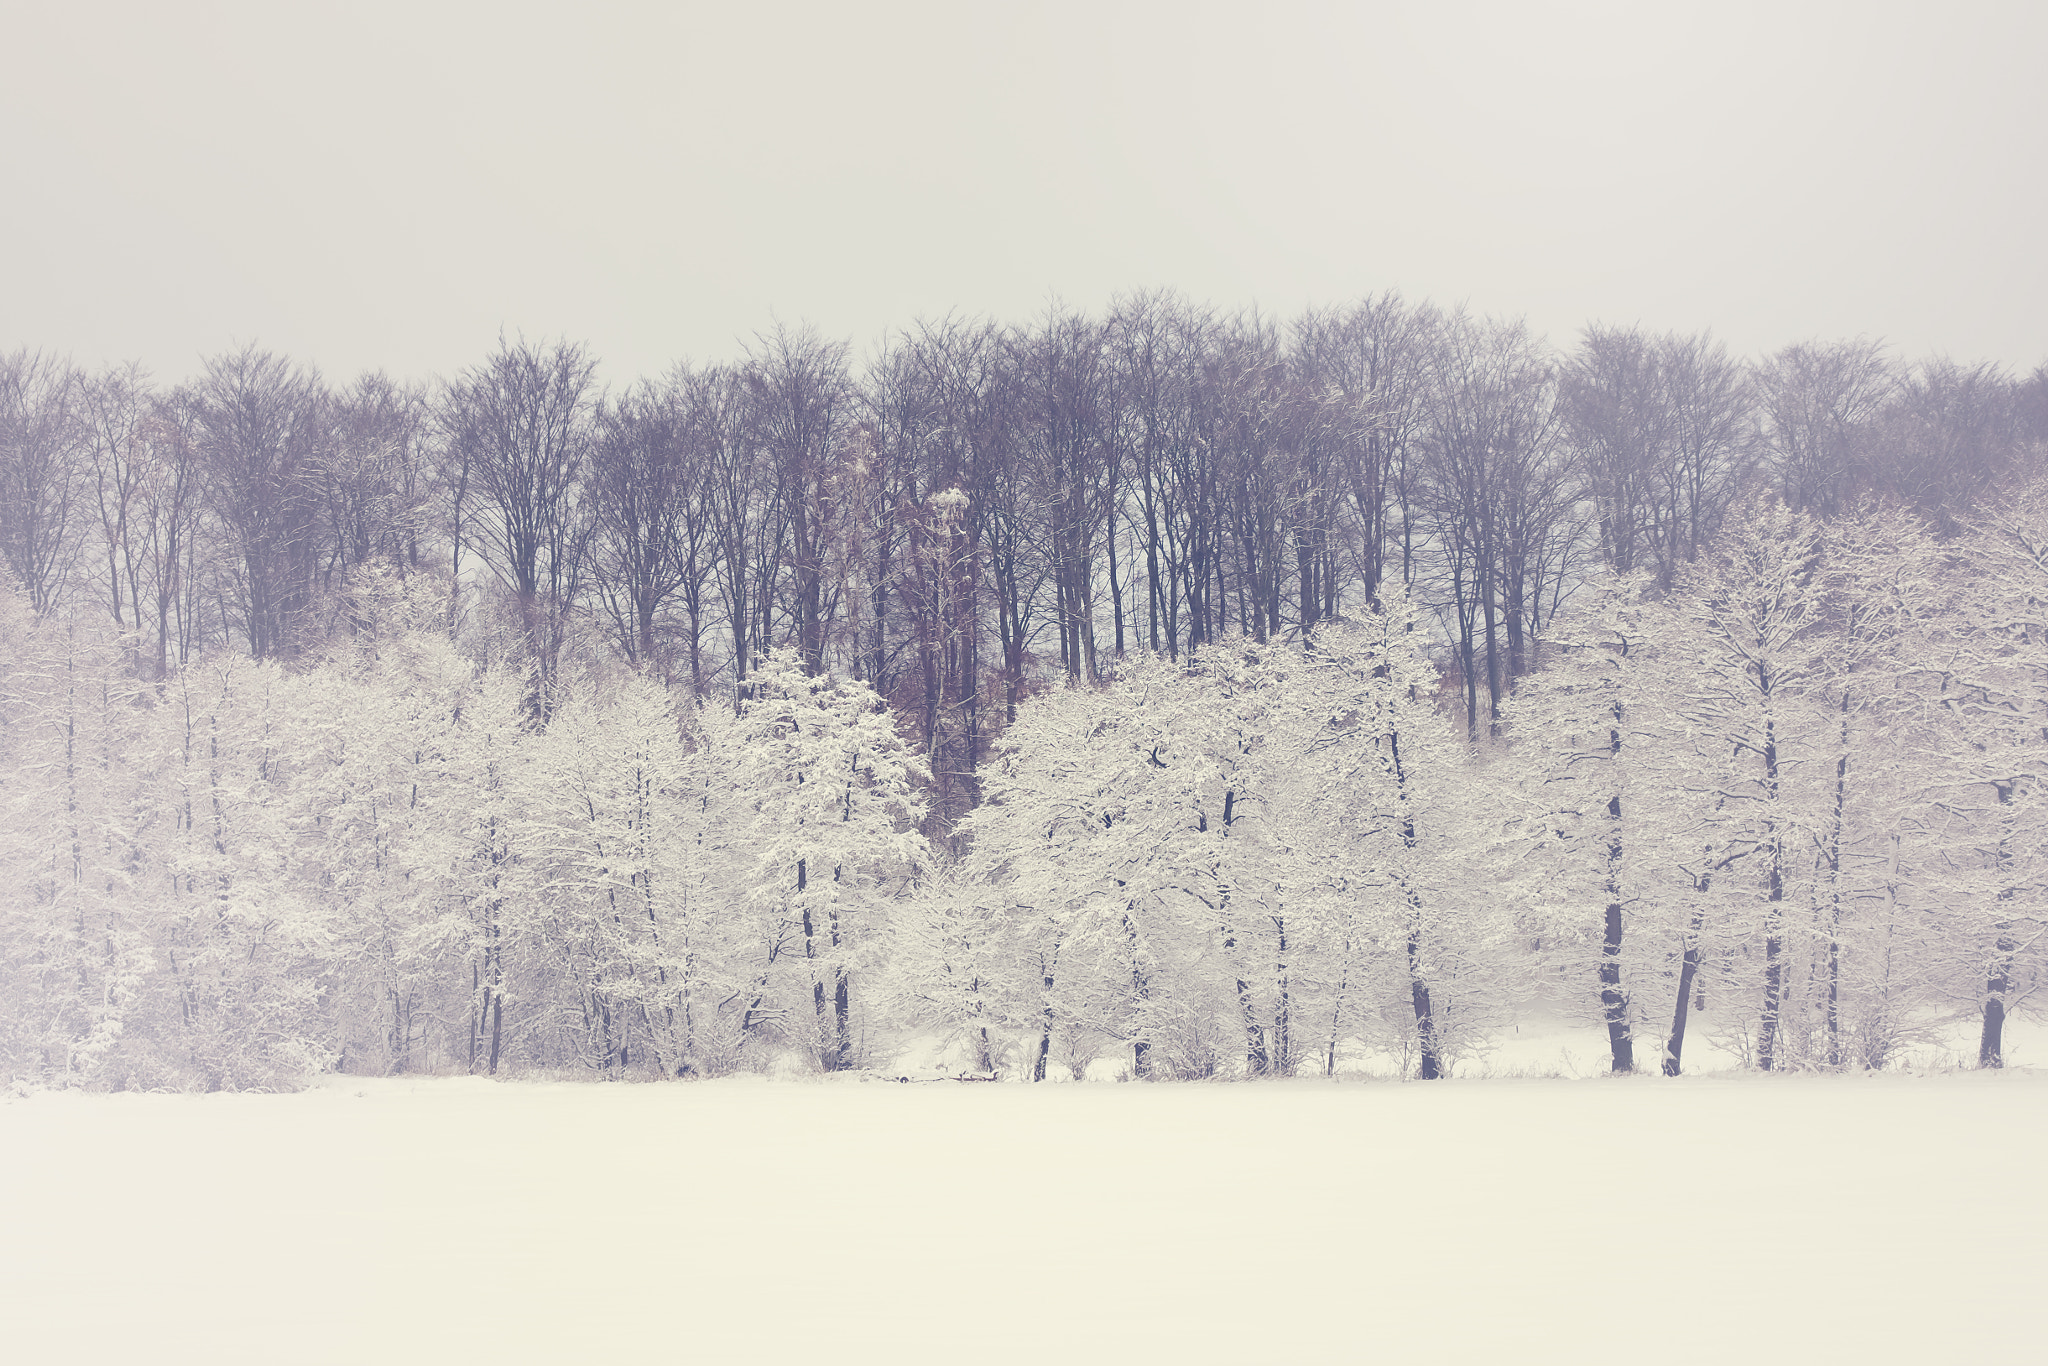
1283 1021
1141 989
1613 1002
1430 1067
1688 969
1991 1043
1834 871
1774 967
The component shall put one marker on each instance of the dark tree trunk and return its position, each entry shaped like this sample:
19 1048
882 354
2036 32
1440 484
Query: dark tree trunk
1141 990
497 1028
1774 966
842 1023
1688 969
1991 1043
1430 1067
1283 1012
1613 1001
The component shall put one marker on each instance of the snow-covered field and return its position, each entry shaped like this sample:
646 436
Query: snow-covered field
1731 1218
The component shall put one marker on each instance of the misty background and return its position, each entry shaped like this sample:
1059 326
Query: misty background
389 186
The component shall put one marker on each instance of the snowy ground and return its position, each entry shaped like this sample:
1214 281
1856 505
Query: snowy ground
1727 1219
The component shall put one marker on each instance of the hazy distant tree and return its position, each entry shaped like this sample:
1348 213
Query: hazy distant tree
745 510
372 479
1011 505
802 400
1818 399
262 430
1062 378
169 525
1253 410
114 408
1946 435
1617 417
1354 424
897 425
40 473
1498 489
518 430
644 485
1390 342
1159 343
143 464
1712 443
932 410
2030 401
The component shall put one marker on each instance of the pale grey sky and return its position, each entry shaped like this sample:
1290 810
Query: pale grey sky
387 185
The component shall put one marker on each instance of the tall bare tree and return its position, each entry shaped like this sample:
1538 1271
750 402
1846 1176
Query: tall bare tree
262 433
802 399
41 473
1617 417
1500 494
1947 435
1061 377
745 511
1818 399
518 430
372 479
1710 403
643 487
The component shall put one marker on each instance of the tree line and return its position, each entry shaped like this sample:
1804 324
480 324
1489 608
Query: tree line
1222 697
974 509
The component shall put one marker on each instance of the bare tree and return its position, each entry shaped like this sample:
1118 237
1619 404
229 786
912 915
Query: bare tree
1712 431
1158 345
1818 399
1947 435
1376 354
114 408
745 511
1617 417
40 473
372 477
262 433
802 399
933 414
1499 491
1062 377
643 486
518 430
143 456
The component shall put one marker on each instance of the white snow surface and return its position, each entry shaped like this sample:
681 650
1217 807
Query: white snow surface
1729 1218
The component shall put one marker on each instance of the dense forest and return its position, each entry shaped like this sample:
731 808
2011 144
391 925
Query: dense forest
1224 695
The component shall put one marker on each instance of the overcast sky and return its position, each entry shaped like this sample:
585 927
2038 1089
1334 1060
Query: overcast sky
369 186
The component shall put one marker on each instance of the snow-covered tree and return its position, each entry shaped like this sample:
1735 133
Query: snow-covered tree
75 828
1407 831
1737 682
817 795
1578 755
1996 693
603 836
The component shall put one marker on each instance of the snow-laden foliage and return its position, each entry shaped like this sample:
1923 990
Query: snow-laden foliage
1795 798
1236 863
